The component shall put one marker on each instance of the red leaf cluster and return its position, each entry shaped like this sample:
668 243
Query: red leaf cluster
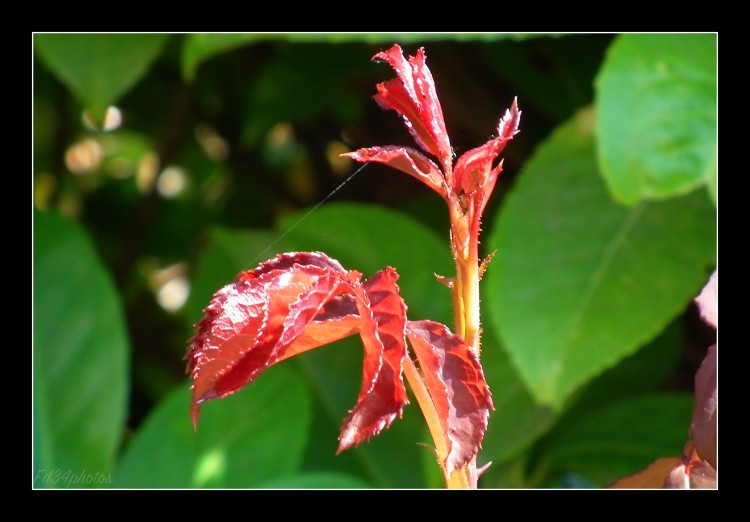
467 186
303 300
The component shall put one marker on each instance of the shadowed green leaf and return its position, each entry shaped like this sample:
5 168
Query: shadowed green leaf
611 442
99 68
80 352
242 441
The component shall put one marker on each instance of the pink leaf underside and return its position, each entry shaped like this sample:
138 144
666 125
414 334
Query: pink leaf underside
708 301
705 410
413 95
405 159
383 395
457 386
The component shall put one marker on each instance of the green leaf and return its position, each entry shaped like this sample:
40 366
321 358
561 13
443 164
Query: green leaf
197 48
80 365
656 98
392 458
242 441
317 480
617 440
580 282
645 371
99 68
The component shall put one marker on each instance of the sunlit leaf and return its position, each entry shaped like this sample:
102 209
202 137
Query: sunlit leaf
580 282
656 115
266 315
454 378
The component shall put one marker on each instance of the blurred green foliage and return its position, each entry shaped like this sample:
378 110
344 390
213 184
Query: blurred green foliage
165 164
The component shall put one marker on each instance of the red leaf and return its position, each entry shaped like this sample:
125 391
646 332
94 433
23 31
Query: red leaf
414 97
406 160
474 168
383 395
457 386
291 304
251 323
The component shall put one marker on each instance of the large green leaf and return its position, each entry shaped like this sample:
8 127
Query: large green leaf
99 68
580 282
256 435
656 115
80 356
619 439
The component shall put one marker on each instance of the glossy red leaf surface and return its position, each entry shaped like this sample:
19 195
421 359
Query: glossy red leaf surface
303 300
250 323
413 95
294 303
457 386
406 160
383 395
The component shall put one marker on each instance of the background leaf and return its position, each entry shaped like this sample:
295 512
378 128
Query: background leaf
369 237
580 282
199 47
242 441
656 115
518 420
302 83
605 444
80 354
319 480
99 68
